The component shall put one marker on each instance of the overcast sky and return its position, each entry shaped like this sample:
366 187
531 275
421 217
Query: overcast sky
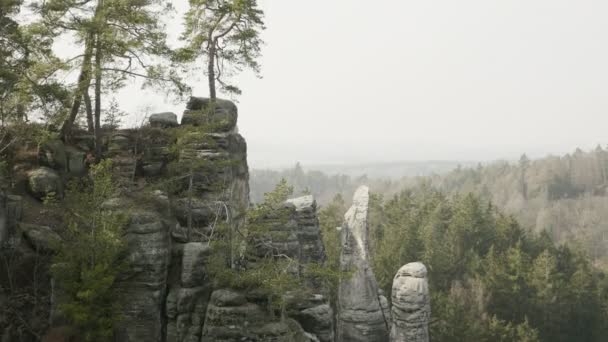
385 80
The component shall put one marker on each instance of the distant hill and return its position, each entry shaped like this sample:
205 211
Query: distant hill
391 169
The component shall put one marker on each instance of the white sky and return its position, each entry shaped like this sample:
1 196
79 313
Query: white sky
354 80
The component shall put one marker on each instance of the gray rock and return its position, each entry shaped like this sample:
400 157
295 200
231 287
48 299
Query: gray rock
222 118
318 320
53 154
4 231
76 162
153 169
11 212
142 288
193 263
41 238
360 314
43 182
119 142
231 318
163 120
411 305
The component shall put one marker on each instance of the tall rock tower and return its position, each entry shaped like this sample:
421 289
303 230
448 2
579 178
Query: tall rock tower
360 314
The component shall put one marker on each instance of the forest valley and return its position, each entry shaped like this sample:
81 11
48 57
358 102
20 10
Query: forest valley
151 233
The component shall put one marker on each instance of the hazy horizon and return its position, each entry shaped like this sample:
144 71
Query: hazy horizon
347 82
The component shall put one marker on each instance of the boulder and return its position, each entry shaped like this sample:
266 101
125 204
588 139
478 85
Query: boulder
53 154
120 142
41 238
360 314
221 118
76 162
318 321
411 305
163 120
43 182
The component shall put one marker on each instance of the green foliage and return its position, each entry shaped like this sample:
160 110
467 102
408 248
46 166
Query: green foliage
226 34
331 218
88 259
490 280
113 115
260 267
28 70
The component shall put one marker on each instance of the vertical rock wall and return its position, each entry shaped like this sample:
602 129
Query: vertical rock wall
142 290
360 313
220 194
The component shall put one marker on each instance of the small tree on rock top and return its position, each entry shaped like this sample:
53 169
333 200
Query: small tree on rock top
226 35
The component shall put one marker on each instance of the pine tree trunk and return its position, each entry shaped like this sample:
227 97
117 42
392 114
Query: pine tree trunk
89 108
97 114
84 80
211 70
190 186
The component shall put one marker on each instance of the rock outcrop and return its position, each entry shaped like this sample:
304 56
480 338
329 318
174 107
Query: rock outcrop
189 291
360 313
143 287
411 308
163 120
166 293
45 181
232 318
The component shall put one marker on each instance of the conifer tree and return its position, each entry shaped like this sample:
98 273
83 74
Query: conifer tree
225 34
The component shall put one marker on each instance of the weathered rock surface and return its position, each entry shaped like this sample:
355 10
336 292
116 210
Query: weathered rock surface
143 286
41 238
189 292
4 230
231 318
316 318
222 117
163 120
308 229
220 193
44 181
411 307
360 314
53 154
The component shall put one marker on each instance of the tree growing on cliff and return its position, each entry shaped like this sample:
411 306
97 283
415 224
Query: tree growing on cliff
226 35
89 257
28 69
120 40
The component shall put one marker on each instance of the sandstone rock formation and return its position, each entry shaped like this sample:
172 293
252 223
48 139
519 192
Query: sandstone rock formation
232 318
163 120
143 287
294 232
222 117
41 238
360 314
165 292
44 181
411 308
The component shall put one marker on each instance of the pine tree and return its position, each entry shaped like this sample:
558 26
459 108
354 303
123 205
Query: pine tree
226 35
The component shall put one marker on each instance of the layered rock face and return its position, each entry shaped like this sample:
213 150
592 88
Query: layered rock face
411 310
360 311
294 232
165 291
231 317
143 288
